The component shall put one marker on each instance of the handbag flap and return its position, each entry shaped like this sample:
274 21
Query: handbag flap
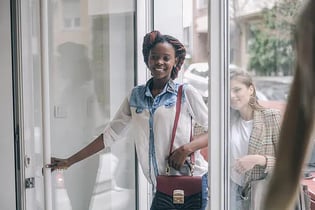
189 184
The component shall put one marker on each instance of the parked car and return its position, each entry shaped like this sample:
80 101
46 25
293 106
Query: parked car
273 88
197 74
268 88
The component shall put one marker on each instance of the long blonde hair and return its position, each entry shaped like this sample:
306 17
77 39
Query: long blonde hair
298 119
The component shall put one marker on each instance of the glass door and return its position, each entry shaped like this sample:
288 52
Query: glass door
90 47
77 65
91 70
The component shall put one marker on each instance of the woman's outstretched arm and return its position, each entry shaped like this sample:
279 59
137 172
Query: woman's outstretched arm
95 146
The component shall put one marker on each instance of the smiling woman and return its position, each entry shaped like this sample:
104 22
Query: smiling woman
150 110
161 63
254 134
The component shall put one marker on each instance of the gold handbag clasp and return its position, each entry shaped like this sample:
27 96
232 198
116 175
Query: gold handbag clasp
178 197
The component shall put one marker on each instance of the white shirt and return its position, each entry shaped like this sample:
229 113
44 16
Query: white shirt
240 135
141 111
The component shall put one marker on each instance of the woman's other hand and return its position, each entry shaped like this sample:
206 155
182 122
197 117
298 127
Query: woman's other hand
248 162
178 157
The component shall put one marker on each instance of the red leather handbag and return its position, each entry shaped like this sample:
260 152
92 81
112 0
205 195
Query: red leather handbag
176 191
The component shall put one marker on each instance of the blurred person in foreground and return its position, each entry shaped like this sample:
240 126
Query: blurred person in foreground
298 122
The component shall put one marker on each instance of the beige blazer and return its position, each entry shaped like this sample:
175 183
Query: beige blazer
264 141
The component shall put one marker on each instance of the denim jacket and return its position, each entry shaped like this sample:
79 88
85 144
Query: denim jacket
151 122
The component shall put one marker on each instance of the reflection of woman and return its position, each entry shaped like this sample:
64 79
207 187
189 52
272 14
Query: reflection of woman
150 111
77 113
254 135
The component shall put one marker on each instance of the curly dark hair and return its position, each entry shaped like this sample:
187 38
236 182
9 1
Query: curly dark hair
154 37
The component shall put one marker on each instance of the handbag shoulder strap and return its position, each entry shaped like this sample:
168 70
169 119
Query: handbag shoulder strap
178 108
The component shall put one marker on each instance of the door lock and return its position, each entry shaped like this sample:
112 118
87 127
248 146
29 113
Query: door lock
30 182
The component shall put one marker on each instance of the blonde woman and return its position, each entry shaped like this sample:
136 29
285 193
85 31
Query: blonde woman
254 136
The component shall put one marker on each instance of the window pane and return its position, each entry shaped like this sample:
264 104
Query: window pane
187 20
71 13
261 44
91 71
196 70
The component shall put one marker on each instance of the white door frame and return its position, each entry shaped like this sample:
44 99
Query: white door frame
218 30
28 128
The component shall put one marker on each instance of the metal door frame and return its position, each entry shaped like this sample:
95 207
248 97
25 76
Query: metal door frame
17 101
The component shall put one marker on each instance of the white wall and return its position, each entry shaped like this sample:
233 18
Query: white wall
168 17
7 189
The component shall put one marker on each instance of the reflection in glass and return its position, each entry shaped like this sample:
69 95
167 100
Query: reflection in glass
91 63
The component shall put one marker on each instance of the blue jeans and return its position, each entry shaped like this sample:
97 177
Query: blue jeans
204 195
205 190
236 200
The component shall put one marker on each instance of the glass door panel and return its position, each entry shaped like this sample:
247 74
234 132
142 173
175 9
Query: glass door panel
91 70
91 47
187 20
261 43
